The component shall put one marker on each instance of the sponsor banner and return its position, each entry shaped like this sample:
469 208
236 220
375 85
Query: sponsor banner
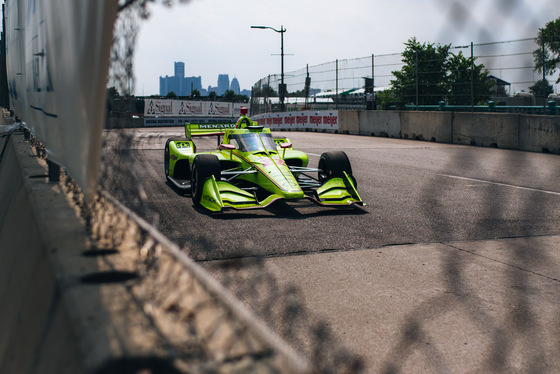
318 120
57 60
186 108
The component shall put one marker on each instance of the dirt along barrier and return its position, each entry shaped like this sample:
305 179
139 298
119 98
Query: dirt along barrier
88 287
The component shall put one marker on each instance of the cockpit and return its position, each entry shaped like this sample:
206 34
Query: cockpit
252 142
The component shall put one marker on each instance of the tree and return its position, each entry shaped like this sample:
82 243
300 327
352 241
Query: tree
268 91
549 38
541 88
385 99
212 96
171 95
460 71
425 69
195 94
437 75
112 94
230 96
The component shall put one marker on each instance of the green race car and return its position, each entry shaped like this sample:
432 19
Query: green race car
250 169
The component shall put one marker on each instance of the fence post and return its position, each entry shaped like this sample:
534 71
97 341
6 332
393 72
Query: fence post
472 78
416 80
373 72
544 73
336 93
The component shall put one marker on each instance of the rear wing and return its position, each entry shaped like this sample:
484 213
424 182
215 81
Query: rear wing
206 129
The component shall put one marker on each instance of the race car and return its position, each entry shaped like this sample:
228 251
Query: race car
250 169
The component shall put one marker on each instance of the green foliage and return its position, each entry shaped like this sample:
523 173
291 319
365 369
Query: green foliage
195 94
232 97
427 64
541 88
112 94
549 37
459 81
212 96
171 95
441 76
242 98
385 99
268 91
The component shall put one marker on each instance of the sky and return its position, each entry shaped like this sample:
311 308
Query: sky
215 37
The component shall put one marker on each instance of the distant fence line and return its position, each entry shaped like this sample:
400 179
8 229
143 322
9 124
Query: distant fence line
340 84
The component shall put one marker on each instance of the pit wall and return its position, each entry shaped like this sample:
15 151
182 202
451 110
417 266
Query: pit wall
525 132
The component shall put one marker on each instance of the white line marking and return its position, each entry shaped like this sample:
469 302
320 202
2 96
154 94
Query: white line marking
313 154
501 184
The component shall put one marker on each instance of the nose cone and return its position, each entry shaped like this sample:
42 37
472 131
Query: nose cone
289 187
283 181
293 194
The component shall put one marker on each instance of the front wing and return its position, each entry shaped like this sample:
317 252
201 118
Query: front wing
219 195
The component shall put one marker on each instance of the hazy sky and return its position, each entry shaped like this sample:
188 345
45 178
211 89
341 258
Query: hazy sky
214 36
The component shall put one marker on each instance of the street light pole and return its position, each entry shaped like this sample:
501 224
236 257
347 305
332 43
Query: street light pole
282 88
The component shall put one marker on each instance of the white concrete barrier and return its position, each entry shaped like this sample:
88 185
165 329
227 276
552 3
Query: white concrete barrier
499 130
430 126
539 133
525 132
380 123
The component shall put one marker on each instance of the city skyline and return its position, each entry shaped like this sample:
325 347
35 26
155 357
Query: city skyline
183 85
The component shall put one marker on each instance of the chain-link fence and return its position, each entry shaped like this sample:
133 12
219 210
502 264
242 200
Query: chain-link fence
512 77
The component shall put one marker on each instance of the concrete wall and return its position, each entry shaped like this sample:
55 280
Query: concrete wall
380 123
525 132
431 126
539 133
36 331
348 122
487 129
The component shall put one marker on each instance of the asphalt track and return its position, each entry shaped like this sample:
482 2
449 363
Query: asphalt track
416 192
454 245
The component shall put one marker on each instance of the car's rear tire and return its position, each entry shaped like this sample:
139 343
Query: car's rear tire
204 166
333 165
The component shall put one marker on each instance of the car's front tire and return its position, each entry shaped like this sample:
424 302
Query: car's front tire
333 165
204 166
166 158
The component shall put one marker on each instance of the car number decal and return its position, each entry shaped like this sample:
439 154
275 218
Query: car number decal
180 145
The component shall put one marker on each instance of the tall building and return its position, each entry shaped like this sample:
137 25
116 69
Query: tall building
181 85
180 69
235 86
223 84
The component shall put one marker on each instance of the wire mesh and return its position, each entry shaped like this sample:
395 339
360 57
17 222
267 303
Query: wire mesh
510 67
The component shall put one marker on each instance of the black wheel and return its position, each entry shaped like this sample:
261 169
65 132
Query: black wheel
166 159
204 166
332 165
